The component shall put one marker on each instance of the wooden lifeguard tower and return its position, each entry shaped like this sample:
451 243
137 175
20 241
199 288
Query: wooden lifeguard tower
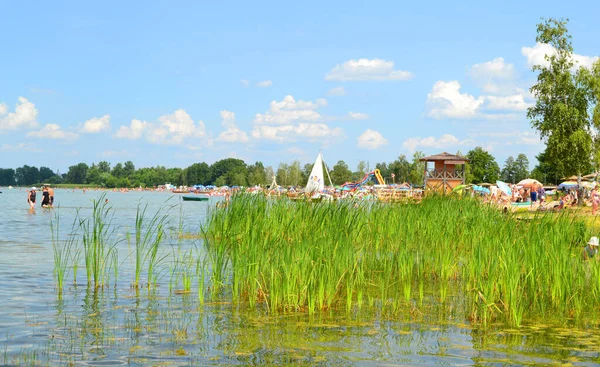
442 173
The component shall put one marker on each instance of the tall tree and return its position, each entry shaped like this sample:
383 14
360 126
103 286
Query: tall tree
45 174
417 169
508 171
340 173
77 173
257 175
560 112
7 176
521 167
27 175
294 174
483 166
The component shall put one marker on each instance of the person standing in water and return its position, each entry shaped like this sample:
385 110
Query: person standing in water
45 197
51 193
31 198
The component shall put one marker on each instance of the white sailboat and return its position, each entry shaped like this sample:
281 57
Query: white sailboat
316 180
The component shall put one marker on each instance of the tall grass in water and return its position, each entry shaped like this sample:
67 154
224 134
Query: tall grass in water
296 256
98 237
148 236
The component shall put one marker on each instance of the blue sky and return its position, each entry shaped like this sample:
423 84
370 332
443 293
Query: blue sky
174 83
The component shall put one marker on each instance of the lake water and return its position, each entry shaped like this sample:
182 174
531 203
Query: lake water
121 325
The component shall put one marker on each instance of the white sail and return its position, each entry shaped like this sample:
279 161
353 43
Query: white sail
316 181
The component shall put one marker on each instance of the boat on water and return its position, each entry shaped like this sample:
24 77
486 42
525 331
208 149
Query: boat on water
195 197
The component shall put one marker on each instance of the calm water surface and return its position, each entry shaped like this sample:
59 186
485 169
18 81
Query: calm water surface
119 325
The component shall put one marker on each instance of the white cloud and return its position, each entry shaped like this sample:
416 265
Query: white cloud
134 131
303 131
512 103
289 110
232 133
367 70
21 147
371 139
53 131
169 129
337 92
264 84
96 125
358 116
24 116
446 101
495 69
444 141
245 83
536 56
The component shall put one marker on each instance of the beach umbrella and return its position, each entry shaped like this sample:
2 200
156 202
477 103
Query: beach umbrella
528 182
503 186
568 185
481 189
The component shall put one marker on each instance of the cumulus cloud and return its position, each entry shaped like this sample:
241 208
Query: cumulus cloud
134 131
264 84
53 131
371 139
96 125
446 101
24 116
169 129
443 142
495 69
245 83
289 110
536 55
303 131
337 92
232 133
367 70
515 102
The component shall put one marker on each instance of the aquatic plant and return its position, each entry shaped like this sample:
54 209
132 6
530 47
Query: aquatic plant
148 237
98 237
306 256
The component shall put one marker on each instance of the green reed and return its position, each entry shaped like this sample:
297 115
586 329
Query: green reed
296 256
98 237
149 234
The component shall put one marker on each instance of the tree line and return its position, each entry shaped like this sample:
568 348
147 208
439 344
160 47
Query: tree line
482 167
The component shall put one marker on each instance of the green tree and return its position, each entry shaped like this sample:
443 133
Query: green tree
361 171
282 174
521 167
544 171
560 112
223 167
294 174
483 166
7 177
340 173
27 175
400 168
129 169
508 171
257 175
417 169
118 170
104 167
77 173
198 174
45 174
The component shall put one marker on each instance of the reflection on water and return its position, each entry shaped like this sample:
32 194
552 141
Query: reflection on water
121 325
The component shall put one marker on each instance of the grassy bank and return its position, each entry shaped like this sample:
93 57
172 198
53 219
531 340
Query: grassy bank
307 257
